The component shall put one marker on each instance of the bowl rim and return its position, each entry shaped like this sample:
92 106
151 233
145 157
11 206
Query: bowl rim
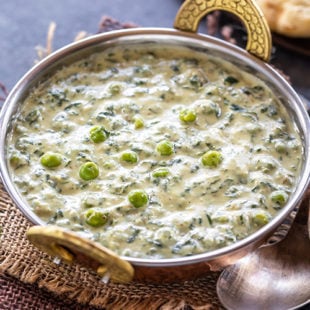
200 39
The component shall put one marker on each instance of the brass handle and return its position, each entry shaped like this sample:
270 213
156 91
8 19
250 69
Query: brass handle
70 247
259 36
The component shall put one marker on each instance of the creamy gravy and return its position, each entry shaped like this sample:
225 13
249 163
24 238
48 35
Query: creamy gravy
138 98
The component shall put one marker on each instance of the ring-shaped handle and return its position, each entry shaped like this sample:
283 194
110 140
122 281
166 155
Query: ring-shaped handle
70 247
259 36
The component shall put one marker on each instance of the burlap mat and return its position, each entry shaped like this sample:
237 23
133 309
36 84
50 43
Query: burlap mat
16 295
19 259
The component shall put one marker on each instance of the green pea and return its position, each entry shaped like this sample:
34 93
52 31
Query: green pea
138 198
280 147
187 115
260 219
15 160
138 122
115 89
129 157
160 172
165 148
51 159
98 134
279 197
109 164
89 171
211 159
96 217
18 159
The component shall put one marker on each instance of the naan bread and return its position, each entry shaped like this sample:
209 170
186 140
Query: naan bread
287 17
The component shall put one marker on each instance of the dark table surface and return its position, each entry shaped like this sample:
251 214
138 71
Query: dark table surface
24 24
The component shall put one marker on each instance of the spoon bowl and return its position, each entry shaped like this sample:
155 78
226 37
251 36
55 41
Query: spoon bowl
274 276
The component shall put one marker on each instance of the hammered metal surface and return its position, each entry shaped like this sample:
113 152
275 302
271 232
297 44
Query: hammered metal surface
259 37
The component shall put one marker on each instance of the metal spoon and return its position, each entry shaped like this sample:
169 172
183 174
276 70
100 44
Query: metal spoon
273 277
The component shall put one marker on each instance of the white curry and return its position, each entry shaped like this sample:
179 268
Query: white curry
154 152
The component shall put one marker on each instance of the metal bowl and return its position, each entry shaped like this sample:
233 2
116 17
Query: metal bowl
174 268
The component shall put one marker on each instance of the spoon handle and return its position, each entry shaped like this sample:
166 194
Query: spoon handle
274 277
